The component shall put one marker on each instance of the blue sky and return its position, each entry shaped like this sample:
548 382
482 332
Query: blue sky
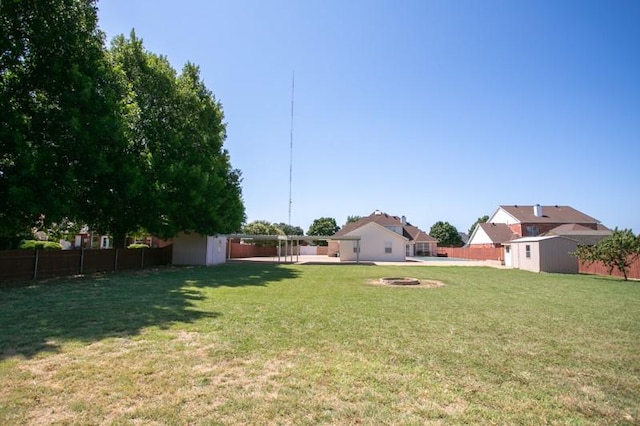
436 110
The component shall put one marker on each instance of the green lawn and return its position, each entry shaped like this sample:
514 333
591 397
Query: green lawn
275 344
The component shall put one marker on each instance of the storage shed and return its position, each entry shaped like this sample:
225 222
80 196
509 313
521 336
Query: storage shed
195 249
542 254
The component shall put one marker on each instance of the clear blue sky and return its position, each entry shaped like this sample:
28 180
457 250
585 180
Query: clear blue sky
436 110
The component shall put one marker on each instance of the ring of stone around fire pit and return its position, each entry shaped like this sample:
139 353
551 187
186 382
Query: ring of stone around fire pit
399 281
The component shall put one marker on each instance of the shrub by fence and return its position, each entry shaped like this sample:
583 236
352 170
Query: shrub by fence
19 265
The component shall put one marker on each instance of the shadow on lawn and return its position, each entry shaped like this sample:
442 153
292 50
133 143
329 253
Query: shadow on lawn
38 317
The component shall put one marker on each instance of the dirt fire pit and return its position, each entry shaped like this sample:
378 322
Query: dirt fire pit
406 282
399 281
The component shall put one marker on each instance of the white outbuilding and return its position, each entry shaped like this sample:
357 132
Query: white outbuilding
195 249
551 253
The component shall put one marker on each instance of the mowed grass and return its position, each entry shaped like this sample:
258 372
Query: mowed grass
289 344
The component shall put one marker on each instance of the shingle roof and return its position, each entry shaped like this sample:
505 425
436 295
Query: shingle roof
416 234
498 232
550 214
581 234
410 232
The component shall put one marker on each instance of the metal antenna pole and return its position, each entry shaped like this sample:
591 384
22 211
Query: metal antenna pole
293 77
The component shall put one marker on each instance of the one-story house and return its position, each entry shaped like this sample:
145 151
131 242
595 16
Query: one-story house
196 249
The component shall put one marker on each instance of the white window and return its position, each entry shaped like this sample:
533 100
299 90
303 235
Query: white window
532 231
387 247
104 242
527 251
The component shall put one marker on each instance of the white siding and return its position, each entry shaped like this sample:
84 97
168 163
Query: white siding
501 216
216 250
373 238
480 237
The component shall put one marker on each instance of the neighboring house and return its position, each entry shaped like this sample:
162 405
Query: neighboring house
511 222
195 249
382 238
551 253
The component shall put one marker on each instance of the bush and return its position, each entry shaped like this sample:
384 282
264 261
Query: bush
137 246
40 245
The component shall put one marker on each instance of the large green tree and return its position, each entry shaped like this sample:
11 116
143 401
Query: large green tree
324 226
61 105
446 234
177 134
619 250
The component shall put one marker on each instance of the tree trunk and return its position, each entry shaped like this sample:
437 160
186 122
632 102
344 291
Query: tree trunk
119 240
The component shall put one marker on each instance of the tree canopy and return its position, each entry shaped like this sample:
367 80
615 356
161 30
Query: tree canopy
113 138
351 219
619 250
290 229
324 226
446 234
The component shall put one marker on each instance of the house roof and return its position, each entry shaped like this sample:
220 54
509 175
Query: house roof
412 233
498 232
550 214
416 234
582 234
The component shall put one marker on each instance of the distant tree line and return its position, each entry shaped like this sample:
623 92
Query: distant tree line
113 138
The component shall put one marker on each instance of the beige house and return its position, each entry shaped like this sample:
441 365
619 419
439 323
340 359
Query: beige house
382 238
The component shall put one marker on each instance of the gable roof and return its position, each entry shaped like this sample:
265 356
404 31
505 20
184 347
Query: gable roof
382 229
550 214
410 232
498 232
416 234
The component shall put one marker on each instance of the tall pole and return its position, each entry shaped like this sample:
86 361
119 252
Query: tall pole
293 78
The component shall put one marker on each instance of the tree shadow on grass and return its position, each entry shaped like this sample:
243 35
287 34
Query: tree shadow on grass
39 316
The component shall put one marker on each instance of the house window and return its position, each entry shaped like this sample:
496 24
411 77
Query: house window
387 246
507 249
356 249
527 251
104 242
532 231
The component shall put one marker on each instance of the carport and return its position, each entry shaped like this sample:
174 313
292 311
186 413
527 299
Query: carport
290 239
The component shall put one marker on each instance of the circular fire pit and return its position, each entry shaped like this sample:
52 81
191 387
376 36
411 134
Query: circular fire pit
399 281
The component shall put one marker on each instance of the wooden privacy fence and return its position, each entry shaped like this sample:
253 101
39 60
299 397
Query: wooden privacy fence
598 268
18 265
479 253
249 250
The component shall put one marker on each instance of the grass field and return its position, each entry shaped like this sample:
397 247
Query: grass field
285 344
